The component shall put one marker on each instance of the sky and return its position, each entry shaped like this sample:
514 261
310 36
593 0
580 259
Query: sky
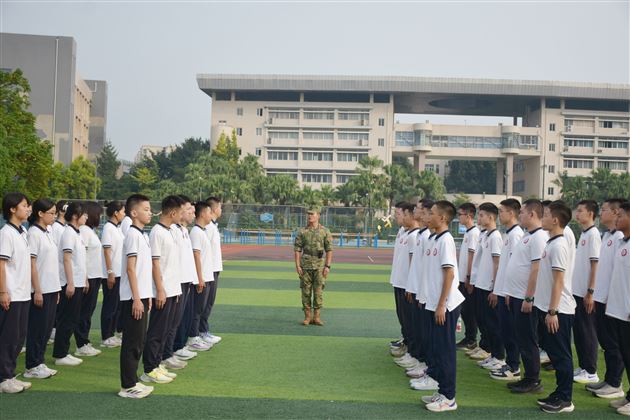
150 52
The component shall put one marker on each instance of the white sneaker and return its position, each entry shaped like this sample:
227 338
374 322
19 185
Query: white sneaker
23 349
409 364
111 343
428 399
494 364
118 341
197 344
155 376
76 359
68 361
586 378
619 403
405 357
38 372
624 410
165 372
87 350
480 354
544 357
425 383
610 392
398 351
135 392
148 388
174 363
442 403
25 385
10 386
185 354
53 372
211 339
484 361
578 371
417 372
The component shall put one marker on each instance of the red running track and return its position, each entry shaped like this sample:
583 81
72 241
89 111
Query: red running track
285 253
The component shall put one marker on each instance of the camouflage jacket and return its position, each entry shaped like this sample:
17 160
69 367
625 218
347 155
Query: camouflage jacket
313 243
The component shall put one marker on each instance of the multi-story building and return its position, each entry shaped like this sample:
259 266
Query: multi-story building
148 150
98 117
316 128
61 100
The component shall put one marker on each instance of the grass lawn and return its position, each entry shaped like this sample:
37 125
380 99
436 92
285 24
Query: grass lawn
270 366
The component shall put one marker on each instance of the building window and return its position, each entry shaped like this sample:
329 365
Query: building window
259 112
404 138
318 135
381 142
578 164
354 115
350 157
319 115
277 155
550 191
432 167
343 178
284 115
239 131
613 165
381 122
518 186
552 127
551 169
519 166
612 143
320 156
239 111
614 124
258 151
344 135
258 131
576 142
283 135
552 147
321 178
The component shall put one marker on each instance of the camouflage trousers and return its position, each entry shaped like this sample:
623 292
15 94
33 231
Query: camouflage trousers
312 283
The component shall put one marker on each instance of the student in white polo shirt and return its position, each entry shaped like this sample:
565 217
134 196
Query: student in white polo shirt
112 240
57 228
73 279
554 301
487 314
136 292
584 271
610 387
166 287
509 210
482 351
216 211
466 214
126 223
94 270
399 347
618 305
520 286
15 287
44 288
443 304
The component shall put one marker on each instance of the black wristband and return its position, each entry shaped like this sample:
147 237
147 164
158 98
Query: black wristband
327 266
590 291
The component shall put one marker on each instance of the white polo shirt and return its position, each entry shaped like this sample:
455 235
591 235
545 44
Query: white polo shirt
443 254
398 245
14 249
416 267
570 237
605 266
136 244
477 258
164 247
71 242
400 265
44 249
412 235
490 247
528 250
587 250
215 246
618 305
112 238
555 258
125 225
469 243
57 229
94 252
189 272
421 296
201 242
512 238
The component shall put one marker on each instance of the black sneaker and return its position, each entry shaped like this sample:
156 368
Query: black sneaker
544 401
466 344
558 406
527 386
547 366
596 386
517 383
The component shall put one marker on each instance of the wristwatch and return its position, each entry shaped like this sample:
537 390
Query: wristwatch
590 291
327 266
110 271
552 312
529 299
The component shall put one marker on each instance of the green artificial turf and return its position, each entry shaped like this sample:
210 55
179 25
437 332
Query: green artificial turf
270 366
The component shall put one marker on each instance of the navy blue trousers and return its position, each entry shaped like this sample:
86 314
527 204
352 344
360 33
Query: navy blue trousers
488 320
507 334
443 352
558 347
609 340
585 337
526 334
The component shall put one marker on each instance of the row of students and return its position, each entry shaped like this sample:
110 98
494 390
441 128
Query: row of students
69 263
521 292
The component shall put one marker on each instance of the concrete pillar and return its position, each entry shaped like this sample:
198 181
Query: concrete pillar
500 174
419 161
509 172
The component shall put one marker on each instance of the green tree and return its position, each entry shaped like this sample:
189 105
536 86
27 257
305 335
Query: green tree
227 148
107 165
602 184
145 179
25 161
429 185
76 181
472 177
459 199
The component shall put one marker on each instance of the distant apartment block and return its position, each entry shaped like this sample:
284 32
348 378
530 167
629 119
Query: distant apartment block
316 128
147 151
62 102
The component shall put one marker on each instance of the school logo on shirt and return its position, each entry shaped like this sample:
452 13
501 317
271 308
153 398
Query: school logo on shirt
507 242
544 253
525 241
428 252
624 252
418 241
610 242
435 252
583 242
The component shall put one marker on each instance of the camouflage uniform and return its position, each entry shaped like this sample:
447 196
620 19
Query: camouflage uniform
312 242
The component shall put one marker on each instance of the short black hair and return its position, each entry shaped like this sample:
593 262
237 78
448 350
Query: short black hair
74 209
133 200
200 206
591 206
625 207
112 207
615 203
11 201
93 211
426 203
400 204
468 208
409 208
489 208
512 204
171 202
213 202
61 206
561 211
43 205
447 208
535 206
185 198
545 203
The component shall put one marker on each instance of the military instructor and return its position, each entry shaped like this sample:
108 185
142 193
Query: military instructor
312 243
